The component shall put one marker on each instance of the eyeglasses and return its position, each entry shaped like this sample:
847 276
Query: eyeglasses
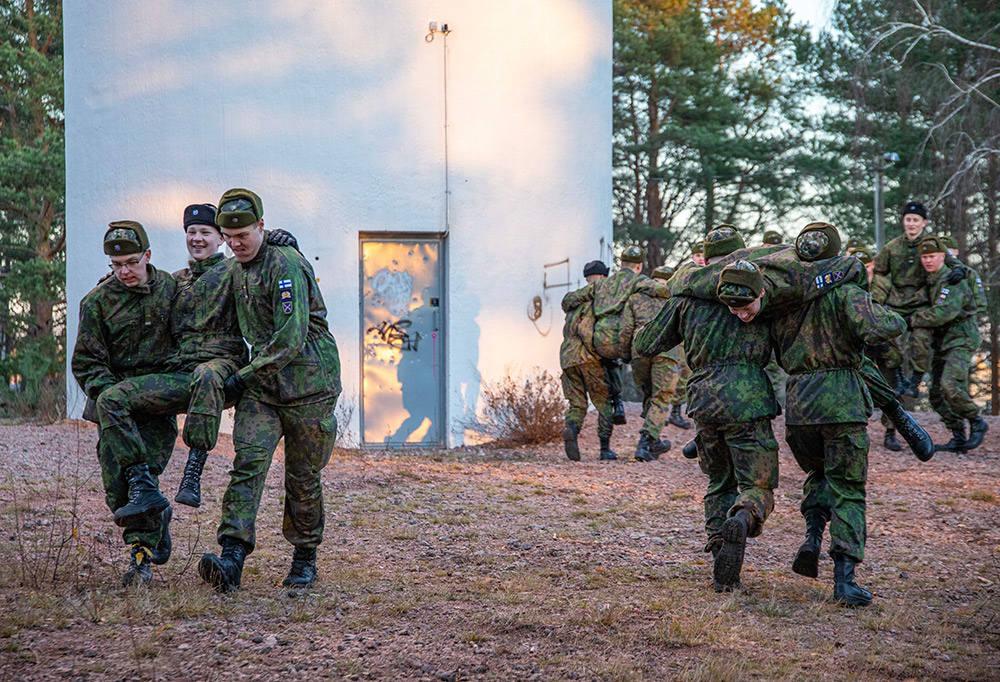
130 264
238 206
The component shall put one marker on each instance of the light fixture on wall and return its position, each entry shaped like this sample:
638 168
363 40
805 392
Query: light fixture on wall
434 27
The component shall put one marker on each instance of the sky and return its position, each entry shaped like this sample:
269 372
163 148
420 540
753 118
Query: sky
815 12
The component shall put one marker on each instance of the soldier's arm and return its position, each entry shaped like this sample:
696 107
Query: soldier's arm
91 360
947 307
663 332
882 261
288 285
625 330
869 321
574 299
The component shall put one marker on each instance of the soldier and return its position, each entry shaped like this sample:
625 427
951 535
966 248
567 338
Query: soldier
853 246
951 320
698 253
289 390
827 412
772 237
973 277
124 331
656 377
732 403
582 372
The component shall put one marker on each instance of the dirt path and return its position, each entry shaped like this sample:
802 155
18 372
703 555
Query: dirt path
485 564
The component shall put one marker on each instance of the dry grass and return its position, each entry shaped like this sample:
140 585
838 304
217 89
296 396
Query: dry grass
523 410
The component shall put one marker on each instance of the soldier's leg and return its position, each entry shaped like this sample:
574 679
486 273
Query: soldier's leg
806 443
754 452
936 394
204 409
920 349
575 392
310 432
845 457
119 407
680 392
882 393
663 380
592 375
613 379
723 490
642 374
955 382
256 432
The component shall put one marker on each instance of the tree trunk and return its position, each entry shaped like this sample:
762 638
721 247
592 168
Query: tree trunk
992 285
654 201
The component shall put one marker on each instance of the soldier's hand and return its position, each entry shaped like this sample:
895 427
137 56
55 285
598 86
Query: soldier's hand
233 388
283 238
957 274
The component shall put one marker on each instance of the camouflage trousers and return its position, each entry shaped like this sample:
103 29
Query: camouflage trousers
157 435
612 376
741 462
835 459
309 432
580 382
198 393
949 393
656 377
680 392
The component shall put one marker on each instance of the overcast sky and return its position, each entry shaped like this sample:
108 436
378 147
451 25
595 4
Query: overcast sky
816 12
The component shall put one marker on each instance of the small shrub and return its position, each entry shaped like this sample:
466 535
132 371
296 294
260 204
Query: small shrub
522 410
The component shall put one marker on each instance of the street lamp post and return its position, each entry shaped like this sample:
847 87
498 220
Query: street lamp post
880 161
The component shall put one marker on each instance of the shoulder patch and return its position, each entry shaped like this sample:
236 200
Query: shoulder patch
829 278
943 295
285 284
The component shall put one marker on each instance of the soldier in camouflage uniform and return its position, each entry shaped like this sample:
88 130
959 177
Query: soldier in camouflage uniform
124 331
853 246
656 377
732 403
698 253
973 278
209 349
289 389
951 320
772 237
827 412
582 372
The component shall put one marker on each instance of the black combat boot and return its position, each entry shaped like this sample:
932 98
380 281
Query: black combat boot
957 442
676 419
618 410
303 571
846 592
690 449
913 433
570 442
144 498
902 383
139 573
658 447
807 558
606 451
224 572
890 441
189 491
729 561
977 430
161 553
913 390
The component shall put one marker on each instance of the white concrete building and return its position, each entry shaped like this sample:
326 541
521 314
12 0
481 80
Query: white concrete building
433 244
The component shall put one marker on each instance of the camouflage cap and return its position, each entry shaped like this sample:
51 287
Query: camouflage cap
817 241
917 208
863 255
698 247
663 272
633 254
740 283
772 237
950 242
200 214
595 267
239 207
722 241
124 237
931 245
854 243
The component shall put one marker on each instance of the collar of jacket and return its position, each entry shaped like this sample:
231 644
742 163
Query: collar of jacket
142 289
198 267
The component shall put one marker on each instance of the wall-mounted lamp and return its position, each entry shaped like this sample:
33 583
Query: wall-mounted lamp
433 28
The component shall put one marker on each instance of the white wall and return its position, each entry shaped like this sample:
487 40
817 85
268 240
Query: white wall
333 113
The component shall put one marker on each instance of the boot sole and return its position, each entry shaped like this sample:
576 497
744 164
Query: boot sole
806 563
730 560
210 572
128 519
187 500
572 446
859 603
972 442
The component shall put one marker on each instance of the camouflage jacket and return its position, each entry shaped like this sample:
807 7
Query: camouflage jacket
610 295
880 286
578 330
727 359
124 332
821 346
294 358
642 306
203 319
899 260
952 314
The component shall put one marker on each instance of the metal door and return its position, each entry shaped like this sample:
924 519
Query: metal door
402 315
